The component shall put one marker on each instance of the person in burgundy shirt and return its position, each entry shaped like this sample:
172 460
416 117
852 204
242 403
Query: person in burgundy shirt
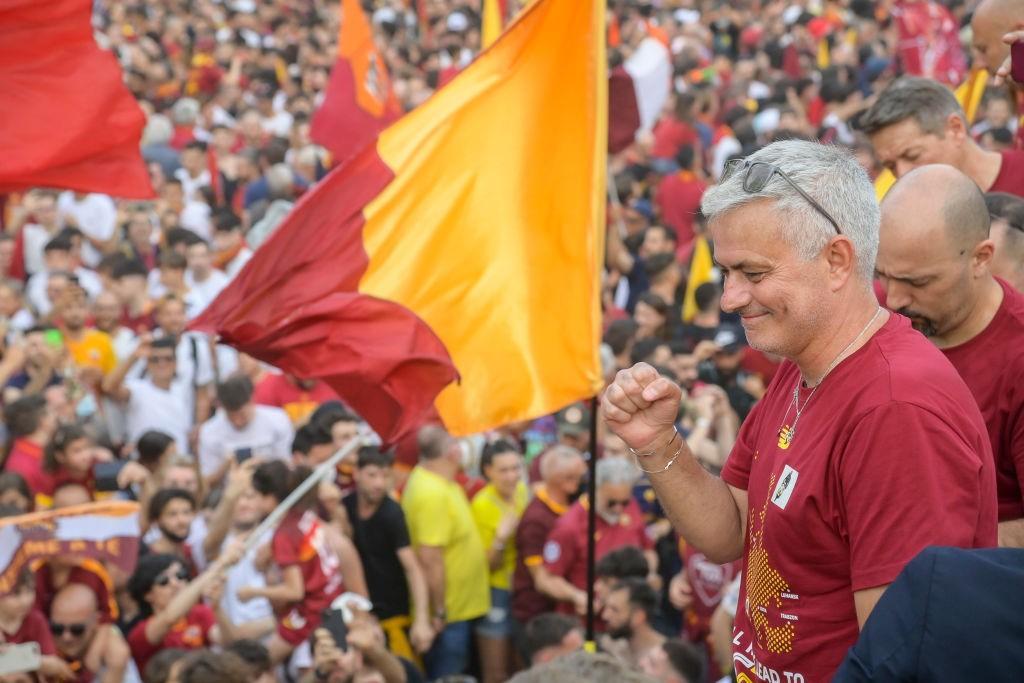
172 615
917 121
619 523
310 570
934 259
867 446
678 200
674 130
30 424
297 397
21 622
561 470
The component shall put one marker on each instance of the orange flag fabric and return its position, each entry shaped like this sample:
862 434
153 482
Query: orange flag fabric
480 214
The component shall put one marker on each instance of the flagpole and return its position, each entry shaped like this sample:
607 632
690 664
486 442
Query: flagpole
321 471
591 643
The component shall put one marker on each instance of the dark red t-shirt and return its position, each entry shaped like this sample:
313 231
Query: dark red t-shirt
1011 173
565 553
707 581
678 199
300 540
992 365
190 633
34 629
890 456
536 523
669 136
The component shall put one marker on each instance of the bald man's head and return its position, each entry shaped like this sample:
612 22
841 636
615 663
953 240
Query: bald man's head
936 199
74 615
991 21
934 252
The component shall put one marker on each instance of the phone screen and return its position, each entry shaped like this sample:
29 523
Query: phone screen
242 454
19 658
106 473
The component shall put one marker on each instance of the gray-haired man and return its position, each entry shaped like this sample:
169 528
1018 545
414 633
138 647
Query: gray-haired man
866 448
917 121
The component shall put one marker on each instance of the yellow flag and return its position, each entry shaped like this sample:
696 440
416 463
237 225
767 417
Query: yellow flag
701 266
491 230
968 94
491 22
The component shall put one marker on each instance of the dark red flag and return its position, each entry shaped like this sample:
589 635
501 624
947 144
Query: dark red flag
296 305
67 120
929 41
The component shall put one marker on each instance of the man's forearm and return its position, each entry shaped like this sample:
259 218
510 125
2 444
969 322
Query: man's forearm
384 662
1011 534
433 572
556 587
699 505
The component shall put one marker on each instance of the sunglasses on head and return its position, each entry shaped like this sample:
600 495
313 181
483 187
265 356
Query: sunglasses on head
77 630
165 579
757 175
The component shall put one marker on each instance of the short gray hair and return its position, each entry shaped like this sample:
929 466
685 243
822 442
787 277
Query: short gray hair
616 471
829 174
158 130
556 458
927 102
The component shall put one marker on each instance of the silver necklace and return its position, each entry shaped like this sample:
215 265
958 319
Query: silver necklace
786 432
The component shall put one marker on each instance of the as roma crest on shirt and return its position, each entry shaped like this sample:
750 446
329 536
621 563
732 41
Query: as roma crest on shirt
784 489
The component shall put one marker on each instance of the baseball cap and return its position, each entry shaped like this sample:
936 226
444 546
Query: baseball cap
574 419
729 339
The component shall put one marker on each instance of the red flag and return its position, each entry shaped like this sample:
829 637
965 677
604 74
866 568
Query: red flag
296 305
67 121
360 101
929 41
623 111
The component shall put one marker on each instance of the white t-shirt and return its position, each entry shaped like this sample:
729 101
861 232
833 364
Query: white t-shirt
168 411
269 435
245 573
34 238
207 290
189 185
194 365
235 265
280 124
196 217
95 215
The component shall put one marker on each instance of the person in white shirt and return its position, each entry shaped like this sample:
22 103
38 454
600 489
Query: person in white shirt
202 278
57 258
45 227
12 308
241 429
194 362
160 400
95 215
194 172
229 243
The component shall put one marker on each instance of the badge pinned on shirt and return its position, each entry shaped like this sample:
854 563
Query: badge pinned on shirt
784 489
552 551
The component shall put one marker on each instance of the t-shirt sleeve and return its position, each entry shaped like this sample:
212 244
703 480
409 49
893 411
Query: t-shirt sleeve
140 646
736 472
1016 444
284 434
906 481
559 552
530 538
397 528
285 548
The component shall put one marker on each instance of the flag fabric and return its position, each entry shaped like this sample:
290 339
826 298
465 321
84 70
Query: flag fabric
650 67
928 42
492 20
623 111
969 95
67 121
108 532
701 271
470 233
359 101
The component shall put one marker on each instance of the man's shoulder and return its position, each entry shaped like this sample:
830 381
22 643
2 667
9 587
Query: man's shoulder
272 415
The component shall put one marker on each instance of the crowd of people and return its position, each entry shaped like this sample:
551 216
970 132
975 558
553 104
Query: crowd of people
469 561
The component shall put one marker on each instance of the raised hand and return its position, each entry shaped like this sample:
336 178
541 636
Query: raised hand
641 406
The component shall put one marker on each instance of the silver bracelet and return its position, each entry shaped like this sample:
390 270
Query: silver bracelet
671 461
644 454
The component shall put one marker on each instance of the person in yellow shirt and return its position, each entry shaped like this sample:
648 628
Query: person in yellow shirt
449 549
91 351
497 509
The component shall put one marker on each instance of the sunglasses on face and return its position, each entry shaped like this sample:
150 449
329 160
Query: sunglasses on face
617 503
165 579
76 630
757 175
161 359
